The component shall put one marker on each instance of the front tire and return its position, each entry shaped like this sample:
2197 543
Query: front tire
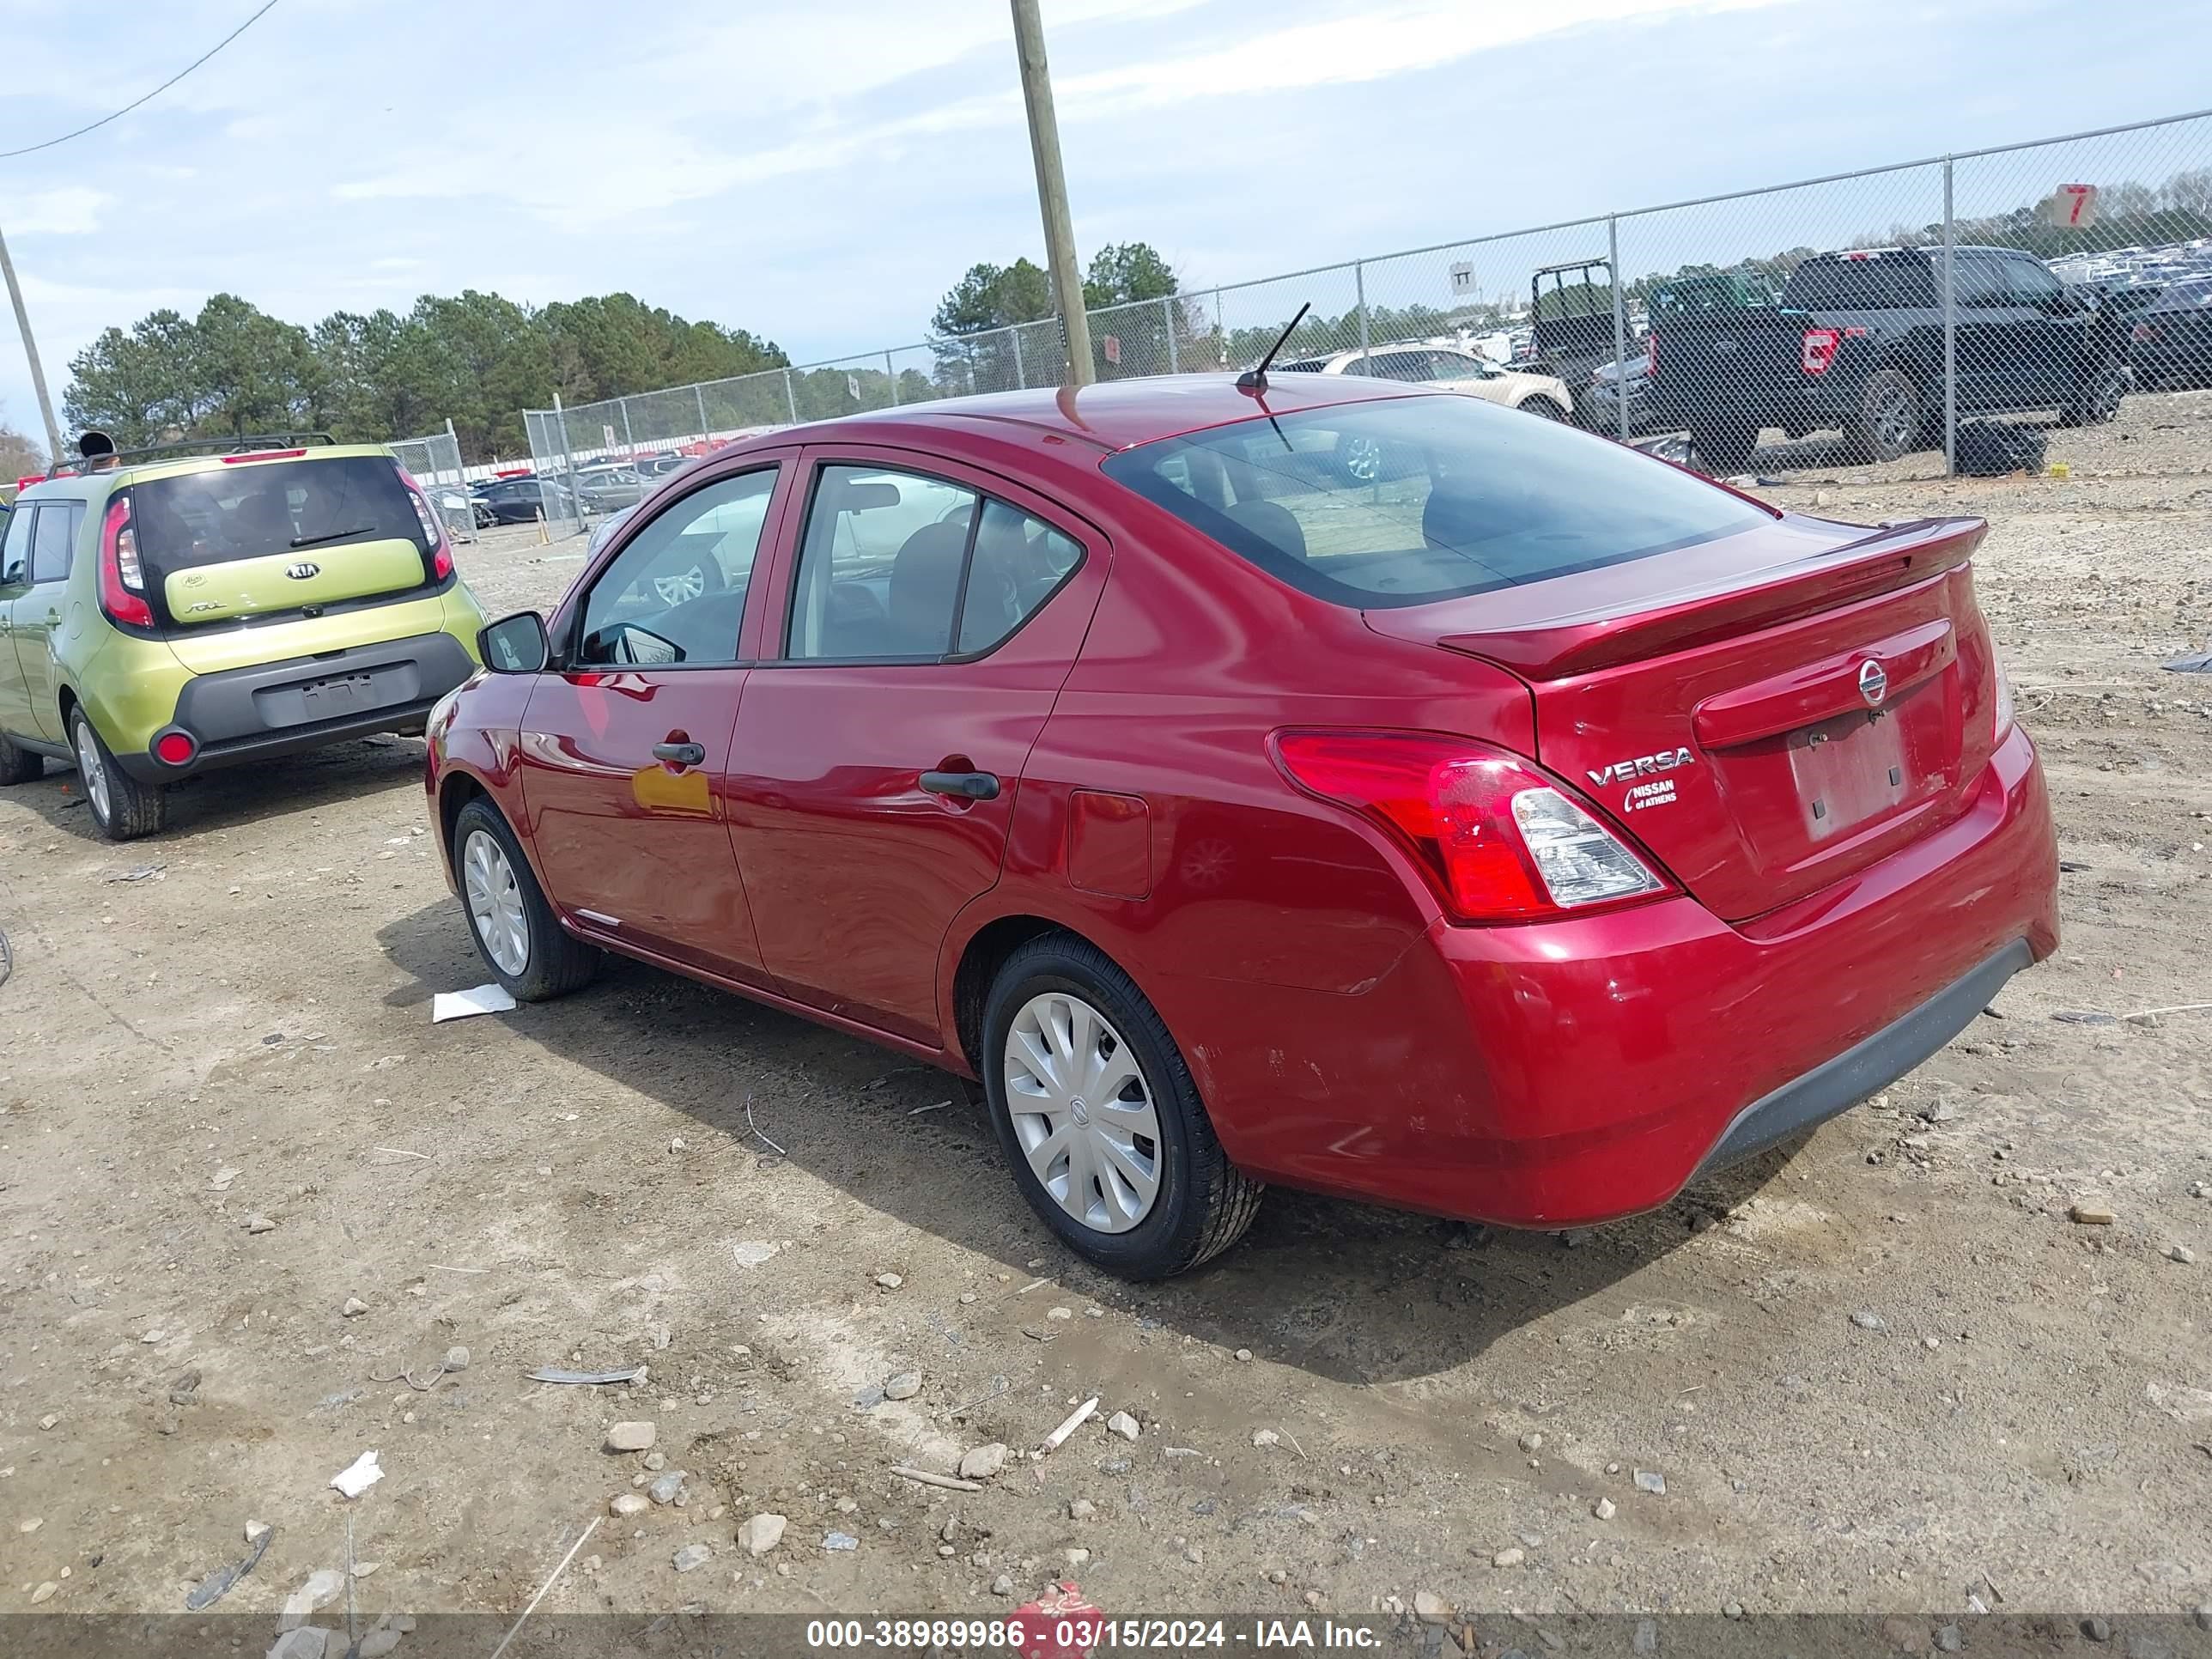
2100 400
1725 446
516 933
1543 408
121 808
1099 1118
19 765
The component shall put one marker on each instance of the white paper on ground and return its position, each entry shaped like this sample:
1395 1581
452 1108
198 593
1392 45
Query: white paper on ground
459 1004
359 1476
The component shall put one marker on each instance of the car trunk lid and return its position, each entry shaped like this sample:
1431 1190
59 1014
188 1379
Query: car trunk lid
1765 713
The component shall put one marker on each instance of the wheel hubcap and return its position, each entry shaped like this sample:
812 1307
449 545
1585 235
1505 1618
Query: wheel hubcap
1895 423
681 590
90 772
1083 1112
494 901
1363 459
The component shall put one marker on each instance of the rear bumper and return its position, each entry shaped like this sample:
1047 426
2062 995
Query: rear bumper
301 703
1575 1072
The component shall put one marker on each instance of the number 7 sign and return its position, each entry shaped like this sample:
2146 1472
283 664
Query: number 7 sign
2072 207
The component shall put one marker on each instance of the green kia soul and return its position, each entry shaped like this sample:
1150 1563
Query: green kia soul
165 612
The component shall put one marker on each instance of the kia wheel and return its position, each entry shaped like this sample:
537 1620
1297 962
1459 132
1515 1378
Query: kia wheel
516 933
1099 1118
123 809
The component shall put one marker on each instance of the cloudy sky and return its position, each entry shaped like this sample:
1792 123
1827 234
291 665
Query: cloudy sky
820 172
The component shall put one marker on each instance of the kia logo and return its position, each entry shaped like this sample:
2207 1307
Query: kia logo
1873 683
301 571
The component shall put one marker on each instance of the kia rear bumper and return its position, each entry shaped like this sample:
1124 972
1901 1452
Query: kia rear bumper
1564 1073
287 707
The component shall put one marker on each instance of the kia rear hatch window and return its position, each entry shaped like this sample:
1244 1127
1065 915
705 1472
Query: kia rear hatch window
1416 499
256 509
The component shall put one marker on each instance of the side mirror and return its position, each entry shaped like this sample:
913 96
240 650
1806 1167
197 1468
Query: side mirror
515 645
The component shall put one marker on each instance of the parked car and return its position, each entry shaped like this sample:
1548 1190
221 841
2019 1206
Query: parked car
1599 408
1514 841
520 501
650 467
1857 346
172 611
604 488
1446 366
2171 341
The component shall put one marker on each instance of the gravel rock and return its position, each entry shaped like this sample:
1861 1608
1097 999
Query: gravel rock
890 1281
1431 1608
1532 1442
666 1488
355 1307
984 1461
44 1593
302 1642
1059 1312
1949 1639
260 1224
2204 1616
1867 1321
626 1503
457 1358
630 1437
185 1389
254 1529
761 1533
2181 1253
1604 1509
655 1462
1002 1585
1646 1639
1081 1509
1264 1437
840 1540
379 1642
1244 1355
1508 1558
1652 1481
2097 1630
904 1385
324 1586
1123 1425
2089 1214
690 1556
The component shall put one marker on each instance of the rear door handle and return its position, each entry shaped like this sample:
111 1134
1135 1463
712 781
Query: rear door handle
962 786
681 754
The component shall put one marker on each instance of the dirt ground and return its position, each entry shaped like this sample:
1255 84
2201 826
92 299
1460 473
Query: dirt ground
1884 1373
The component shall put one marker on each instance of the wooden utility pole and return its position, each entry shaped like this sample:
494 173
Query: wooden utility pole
39 375
1051 189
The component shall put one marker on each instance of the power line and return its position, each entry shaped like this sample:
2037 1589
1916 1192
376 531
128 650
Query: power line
27 150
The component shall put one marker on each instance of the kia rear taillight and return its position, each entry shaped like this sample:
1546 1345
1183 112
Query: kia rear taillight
1819 349
433 528
122 580
1499 840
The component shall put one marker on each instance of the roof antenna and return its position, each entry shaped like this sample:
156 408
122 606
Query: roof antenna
1256 380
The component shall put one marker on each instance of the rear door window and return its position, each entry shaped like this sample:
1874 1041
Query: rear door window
16 551
1414 499
259 508
1874 282
55 537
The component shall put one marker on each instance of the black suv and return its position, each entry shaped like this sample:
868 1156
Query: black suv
1857 346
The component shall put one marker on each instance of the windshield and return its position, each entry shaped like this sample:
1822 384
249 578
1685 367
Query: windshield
258 509
1409 499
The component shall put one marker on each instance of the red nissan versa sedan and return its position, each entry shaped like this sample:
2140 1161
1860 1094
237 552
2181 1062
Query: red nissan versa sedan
1337 784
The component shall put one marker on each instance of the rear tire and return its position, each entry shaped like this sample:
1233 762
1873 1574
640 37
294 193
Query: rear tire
1725 446
1150 1122
515 931
121 808
20 765
2098 402
1887 425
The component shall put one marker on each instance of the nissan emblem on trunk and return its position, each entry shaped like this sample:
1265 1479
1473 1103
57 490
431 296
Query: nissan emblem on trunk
301 571
1872 683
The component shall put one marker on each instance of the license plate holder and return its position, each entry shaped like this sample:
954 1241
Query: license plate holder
1849 770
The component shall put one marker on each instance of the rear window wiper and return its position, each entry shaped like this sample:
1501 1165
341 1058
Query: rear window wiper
331 535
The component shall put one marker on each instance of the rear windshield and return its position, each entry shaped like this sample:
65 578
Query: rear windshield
1375 505
1879 283
2184 296
258 509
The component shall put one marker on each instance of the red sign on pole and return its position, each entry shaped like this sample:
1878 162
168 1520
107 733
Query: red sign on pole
2073 207
1112 347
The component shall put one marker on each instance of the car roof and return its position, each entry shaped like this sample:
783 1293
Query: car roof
1110 415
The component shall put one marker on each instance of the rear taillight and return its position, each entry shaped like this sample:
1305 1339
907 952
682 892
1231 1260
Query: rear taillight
1819 349
1499 840
433 528
122 581
1651 355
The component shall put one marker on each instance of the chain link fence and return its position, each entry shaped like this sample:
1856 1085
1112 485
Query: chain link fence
435 462
1942 315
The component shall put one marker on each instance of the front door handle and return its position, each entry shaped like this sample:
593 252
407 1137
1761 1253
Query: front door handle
681 754
962 786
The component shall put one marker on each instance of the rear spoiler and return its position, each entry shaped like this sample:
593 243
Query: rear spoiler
1896 556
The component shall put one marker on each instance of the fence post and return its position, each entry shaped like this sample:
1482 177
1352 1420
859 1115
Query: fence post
700 392
1950 333
790 397
1359 293
629 444
1167 312
1021 379
1619 323
891 374
576 507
